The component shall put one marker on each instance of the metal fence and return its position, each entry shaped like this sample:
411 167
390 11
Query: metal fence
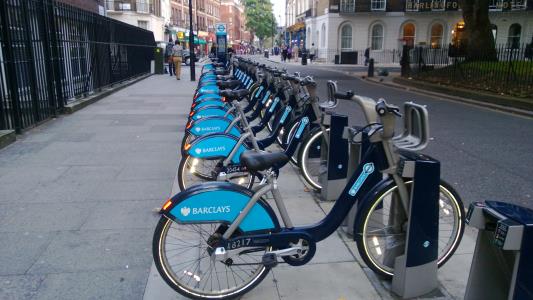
52 53
509 72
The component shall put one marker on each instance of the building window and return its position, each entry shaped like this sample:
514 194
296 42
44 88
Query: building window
378 4
346 37
142 24
513 39
495 4
347 6
143 6
323 36
408 33
377 37
518 4
437 31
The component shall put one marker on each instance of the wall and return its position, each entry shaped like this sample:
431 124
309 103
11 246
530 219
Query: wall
91 5
155 24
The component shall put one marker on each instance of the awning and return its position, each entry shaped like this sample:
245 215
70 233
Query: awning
196 40
296 27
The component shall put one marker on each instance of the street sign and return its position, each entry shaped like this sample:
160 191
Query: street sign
220 28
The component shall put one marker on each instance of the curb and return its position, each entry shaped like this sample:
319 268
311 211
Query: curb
409 86
81 103
7 137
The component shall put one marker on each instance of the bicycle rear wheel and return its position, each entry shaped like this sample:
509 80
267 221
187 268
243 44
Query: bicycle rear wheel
380 236
192 171
309 159
183 256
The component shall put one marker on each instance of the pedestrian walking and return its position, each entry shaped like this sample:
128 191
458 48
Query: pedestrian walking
168 57
367 56
312 52
295 51
289 53
213 51
177 52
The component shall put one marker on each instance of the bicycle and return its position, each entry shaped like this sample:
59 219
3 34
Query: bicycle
226 225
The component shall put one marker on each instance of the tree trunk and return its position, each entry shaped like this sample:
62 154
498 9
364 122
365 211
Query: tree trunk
479 40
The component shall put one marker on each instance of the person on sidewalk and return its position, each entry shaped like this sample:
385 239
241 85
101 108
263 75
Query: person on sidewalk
177 52
283 53
367 56
312 53
289 53
168 57
295 51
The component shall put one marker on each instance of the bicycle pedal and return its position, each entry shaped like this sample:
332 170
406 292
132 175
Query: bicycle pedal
270 260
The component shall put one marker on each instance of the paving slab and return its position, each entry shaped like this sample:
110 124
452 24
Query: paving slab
77 195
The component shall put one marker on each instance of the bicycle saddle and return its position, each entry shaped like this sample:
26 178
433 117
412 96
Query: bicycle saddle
262 160
228 84
224 77
232 95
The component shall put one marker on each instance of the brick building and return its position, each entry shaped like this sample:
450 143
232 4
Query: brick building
205 14
232 13
97 6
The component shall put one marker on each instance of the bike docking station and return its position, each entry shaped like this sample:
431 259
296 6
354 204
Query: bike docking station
415 260
502 265
333 157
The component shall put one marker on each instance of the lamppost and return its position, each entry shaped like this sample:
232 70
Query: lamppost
191 43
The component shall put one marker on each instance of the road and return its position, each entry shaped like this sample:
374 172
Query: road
485 154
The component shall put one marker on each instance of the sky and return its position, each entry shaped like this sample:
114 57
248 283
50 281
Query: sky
279 11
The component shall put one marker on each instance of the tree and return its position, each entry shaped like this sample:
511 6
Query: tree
478 31
260 19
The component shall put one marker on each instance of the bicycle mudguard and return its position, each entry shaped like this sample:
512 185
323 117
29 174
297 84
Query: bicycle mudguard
212 202
211 103
207 97
209 112
212 125
216 145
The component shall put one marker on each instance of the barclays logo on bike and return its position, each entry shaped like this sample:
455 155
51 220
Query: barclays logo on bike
209 128
209 150
185 211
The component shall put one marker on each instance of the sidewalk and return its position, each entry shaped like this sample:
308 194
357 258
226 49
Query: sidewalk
77 194
76 201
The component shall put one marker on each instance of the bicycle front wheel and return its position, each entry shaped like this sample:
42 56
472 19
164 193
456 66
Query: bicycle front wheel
183 255
381 236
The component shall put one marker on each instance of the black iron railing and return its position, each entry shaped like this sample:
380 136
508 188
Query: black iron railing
52 53
509 71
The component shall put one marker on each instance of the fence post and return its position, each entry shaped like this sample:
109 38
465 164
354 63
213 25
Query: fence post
12 79
48 60
31 61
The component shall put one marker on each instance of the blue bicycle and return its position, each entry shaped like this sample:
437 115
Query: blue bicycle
218 240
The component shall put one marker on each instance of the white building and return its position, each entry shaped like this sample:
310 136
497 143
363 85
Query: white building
337 26
147 14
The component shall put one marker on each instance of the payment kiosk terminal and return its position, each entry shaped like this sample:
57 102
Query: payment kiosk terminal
502 265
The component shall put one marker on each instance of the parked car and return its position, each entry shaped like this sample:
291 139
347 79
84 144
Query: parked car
186 57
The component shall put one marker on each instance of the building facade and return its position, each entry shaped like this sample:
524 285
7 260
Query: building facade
206 13
96 6
141 13
384 26
232 13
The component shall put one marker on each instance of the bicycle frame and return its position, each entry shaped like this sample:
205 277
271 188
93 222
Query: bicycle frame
364 182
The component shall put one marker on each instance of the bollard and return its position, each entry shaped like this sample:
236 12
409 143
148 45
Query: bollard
371 68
